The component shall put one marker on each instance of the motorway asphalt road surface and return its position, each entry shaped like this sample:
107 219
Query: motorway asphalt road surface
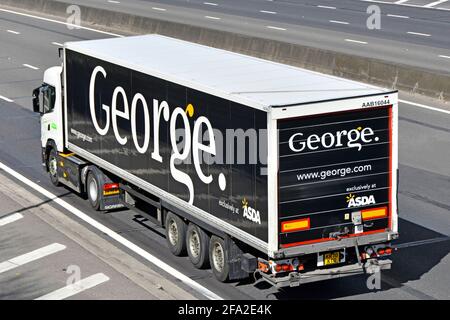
46 255
412 33
421 264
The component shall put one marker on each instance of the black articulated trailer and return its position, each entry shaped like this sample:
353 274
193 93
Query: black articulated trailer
252 167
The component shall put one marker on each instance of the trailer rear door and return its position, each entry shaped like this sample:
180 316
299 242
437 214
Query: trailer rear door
332 168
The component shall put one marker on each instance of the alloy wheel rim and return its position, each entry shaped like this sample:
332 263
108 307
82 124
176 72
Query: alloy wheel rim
93 190
218 257
173 233
194 243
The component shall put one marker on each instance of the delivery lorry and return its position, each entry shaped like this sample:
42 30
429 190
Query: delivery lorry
251 166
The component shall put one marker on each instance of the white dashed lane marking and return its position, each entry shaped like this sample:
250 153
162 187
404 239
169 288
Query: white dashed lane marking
397 16
30 256
419 34
6 99
339 22
356 41
435 3
75 288
276 28
30 66
9 219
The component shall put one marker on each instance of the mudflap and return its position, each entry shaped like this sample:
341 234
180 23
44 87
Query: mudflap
107 202
241 264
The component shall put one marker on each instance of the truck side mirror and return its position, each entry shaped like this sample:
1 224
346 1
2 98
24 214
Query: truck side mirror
36 99
37 105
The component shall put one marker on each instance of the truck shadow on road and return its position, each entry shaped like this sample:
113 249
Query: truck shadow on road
37 205
419 250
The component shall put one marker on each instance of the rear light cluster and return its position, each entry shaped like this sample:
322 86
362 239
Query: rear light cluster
384 251
375 252
284 267
111 189
281 266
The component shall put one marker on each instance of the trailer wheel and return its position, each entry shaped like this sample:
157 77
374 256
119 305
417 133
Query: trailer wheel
175 234
93 190
52 165
197 245
218 257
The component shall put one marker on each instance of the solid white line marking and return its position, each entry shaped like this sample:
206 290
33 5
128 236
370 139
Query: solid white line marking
339 22
6 99
431 5
441 8
75 288
355 41
442 56
9 219
30 256
159 9
276 28
269 12
397 16
326 7
12 31
59 22
419 34
212 18
424 106
114 235
57 44
210 3
30 66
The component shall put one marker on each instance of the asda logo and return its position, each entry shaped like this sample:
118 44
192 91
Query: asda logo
250 213
355 138
353 201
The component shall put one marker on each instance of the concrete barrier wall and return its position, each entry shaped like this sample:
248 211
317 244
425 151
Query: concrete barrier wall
383 73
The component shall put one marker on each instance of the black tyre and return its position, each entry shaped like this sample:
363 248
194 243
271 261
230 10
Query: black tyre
218 257
176 234
93 190
52 165
197 246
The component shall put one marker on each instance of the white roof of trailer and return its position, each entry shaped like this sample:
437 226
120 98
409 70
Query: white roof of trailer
244 78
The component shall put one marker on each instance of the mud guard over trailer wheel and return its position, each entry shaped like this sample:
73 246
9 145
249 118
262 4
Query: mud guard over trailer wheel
175 234
197 246
102 191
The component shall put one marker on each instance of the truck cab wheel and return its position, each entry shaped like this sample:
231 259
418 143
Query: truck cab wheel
93 190
175 234
197 245
218 257
52 165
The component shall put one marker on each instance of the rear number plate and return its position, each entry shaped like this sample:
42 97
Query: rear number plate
330 258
